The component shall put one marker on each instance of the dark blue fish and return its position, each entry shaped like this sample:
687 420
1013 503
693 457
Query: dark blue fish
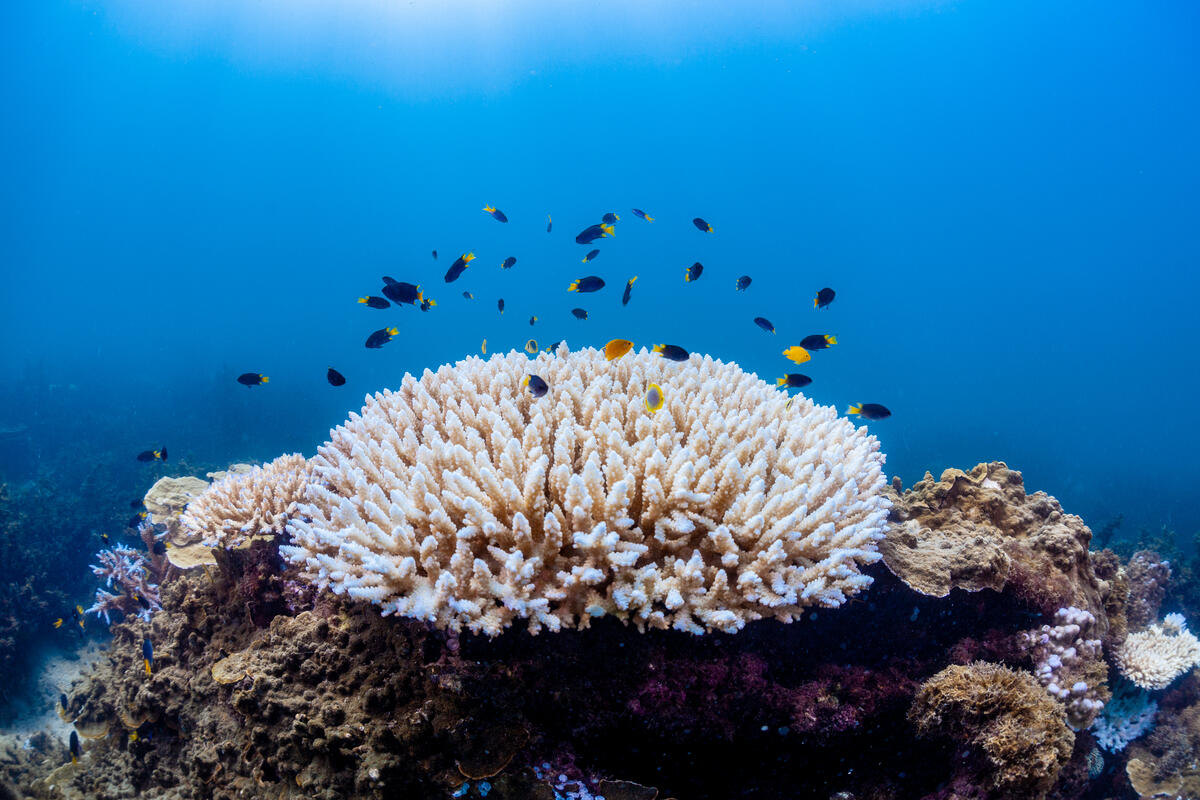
609 219
381 337
371 301
579 313
76 750
742 283
702 226
591 283
593 232
496 213
793 380
823 298
500 305
869 411
153 455
509 262
549 223
147 654
637 212
765 324
401 292
458 266
435 255
628 291
334 377
693 272
592 254
672 352
248 379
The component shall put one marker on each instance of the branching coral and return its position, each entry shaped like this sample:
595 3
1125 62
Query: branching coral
464 500
243 506
1021 732
127 569
1128 715
1153 658
1070 664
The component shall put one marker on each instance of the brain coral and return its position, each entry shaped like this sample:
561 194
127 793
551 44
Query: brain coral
242 506
463 500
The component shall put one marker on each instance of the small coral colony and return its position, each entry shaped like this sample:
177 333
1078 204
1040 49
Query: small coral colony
554 490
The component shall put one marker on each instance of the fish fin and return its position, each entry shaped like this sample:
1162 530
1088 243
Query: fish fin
362 299
266 379
780 381
146 661
831 339
574 287
855 409
815 302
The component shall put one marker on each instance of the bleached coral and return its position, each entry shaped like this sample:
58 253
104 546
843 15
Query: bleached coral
463 500
243 506
127 569
1128 716
1158 655
1069 663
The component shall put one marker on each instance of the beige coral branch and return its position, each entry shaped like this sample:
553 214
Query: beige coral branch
244 506
1155 657
463 500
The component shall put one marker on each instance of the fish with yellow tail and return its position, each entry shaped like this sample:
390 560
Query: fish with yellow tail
459 265
496 213
371 301
869 411
76 616
590 283
702 226
818 341
617 348
797 354
672 352
153 455
628 291
824 298
537 387
637 212
75 748
147 654
381 337
654 398
793 380
252 379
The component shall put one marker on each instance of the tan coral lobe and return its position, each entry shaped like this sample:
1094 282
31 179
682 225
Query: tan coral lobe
462 500
245 505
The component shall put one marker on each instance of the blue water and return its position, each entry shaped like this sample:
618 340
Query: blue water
1002 195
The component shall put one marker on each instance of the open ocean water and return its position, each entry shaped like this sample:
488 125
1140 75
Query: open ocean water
1002 194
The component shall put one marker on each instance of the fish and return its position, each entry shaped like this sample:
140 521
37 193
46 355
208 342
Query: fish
702 226
63 708
742 283
793 380
147 654
765 324
533 320
460 264
508 262
104 537
401 292
593 232
818 341
617 348
823 298
136 520
249 379
500 305
672 352
496 213
579 313
141 601
549 223
869 411
693 272
381 337
334 377
553 346
537 386
159 548
76 750
371 301
654 398
628 291
468 296
434 255
591 283
531 346
388 279
592 254
428 303
76 615
609 218
153 455
483 347
637 212
797 353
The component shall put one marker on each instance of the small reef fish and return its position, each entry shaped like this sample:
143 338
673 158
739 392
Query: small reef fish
637 212
702 226
593 232
104 537
533 320
797 353
381 337
590 256
334 377
76 615
496 213
500 305
793 380
869 411
147 654
823 298
531 346
617 348
628 291
742 283
654 398
136 520
591 283
672 352
693 272
508 262
553 346
76 750
537 386
401 292
63 711
458 266
153 455
468 296
252 379
579 313
140 600
765 324
483 347
609 218
434 255
549 223
428 303
818 341
371 301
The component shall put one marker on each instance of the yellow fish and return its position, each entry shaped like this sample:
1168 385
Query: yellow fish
617 348
654 397
797 353
531 346
483 347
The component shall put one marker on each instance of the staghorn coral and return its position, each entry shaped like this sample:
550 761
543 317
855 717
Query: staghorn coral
1021 732
241 507
1155 657
1070 664
1148 574
980 530
463 500
127 568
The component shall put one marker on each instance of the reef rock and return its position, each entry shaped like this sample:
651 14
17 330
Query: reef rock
980 530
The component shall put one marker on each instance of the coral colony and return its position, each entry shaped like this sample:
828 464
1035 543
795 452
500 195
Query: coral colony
363 622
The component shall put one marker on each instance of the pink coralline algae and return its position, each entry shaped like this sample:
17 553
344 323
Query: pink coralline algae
127 569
